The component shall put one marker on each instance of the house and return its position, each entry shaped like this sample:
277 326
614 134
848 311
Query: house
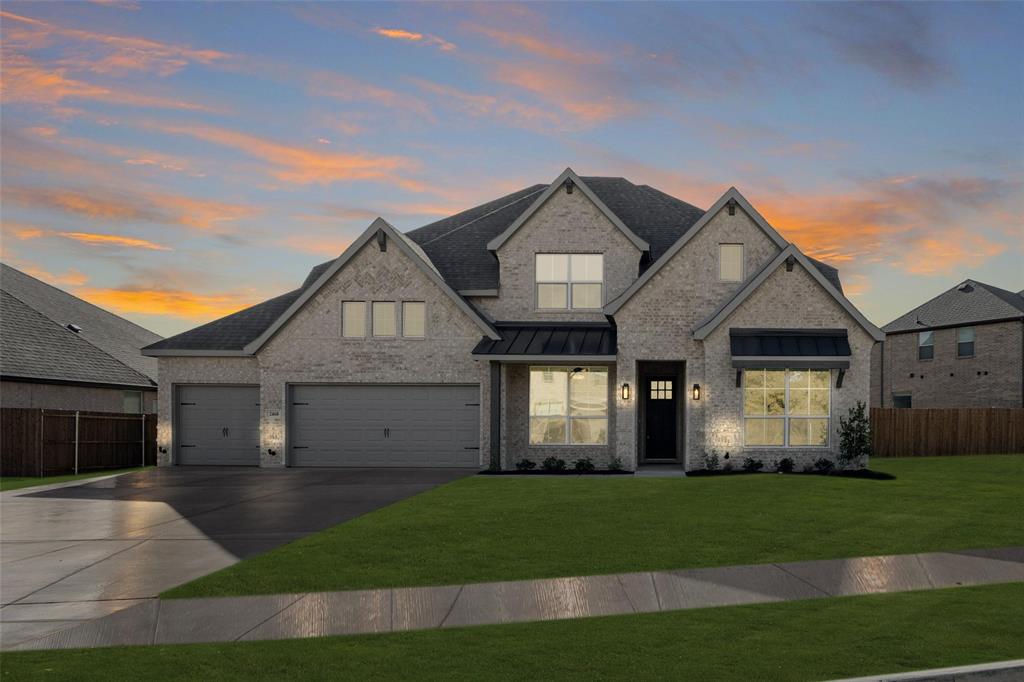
62 353
588 317
963 348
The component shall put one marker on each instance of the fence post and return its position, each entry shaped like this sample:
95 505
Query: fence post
39 445
76 442
143 422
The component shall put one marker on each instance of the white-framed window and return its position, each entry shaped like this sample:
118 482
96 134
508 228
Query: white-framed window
414 319
965 342
569 281
730 262
384 318
353 319
925 345
568 405
786 408
131 402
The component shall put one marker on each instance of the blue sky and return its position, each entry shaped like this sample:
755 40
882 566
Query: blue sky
178 161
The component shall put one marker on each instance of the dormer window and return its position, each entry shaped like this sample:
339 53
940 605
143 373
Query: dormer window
569 281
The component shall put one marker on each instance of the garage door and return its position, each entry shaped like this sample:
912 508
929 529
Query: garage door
219 425
400 426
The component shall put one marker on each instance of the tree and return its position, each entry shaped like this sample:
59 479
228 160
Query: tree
854 437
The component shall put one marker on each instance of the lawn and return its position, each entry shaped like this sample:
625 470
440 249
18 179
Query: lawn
16 482
500 528
803 640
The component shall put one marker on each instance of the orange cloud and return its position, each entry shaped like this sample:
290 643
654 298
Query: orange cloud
300 165
177 303
507 109
414 37
574 93
546 47
113 240
348 89
69 278
320 245
952 250
169 209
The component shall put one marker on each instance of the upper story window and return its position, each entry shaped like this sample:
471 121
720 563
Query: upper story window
965 342
925 345
383 318
353 319
570 281
730 262
414 319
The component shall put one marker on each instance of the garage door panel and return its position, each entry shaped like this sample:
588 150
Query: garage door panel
218 425
385 425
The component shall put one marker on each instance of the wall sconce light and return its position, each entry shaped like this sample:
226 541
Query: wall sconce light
162 450
696 391
625 391
272 452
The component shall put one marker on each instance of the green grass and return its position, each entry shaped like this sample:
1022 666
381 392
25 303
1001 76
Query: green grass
803 640
500 528
16 482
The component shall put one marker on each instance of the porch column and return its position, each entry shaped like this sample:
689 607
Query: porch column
496 407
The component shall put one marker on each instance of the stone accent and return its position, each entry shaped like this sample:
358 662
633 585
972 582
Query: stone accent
566 223
657 323
993 377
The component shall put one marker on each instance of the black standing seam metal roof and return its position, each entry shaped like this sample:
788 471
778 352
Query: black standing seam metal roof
457 246
550 339
789 343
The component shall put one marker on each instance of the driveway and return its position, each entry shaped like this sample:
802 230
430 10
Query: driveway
81 552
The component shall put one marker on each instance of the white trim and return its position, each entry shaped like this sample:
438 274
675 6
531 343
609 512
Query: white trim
403 244
567 174
731 194
712 323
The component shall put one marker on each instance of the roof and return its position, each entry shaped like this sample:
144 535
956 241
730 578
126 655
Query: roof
32 346
113 335
789 342
970 302
547 340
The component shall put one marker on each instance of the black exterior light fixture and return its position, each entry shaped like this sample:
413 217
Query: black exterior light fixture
625 391
696 391
569 185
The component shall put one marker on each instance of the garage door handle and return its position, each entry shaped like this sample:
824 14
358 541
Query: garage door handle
186 446
300 447
472 404
297 403
471 448
188 403
387 432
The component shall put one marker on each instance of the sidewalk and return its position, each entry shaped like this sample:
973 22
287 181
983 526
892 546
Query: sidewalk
391 610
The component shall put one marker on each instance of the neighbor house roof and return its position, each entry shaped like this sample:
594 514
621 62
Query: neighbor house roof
114 336
34 347
456 249
970 302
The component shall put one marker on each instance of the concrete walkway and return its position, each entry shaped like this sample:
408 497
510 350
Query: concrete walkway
294 616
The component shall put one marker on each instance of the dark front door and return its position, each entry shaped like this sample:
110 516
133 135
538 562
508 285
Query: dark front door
660 395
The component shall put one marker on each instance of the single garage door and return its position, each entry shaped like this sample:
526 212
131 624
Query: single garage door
219 425
385 426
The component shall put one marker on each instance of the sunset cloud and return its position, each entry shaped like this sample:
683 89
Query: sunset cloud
586 99
329 246
477 105
544 46
91 238
346 88
415 37
178 303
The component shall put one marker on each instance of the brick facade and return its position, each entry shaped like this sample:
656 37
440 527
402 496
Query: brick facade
992 377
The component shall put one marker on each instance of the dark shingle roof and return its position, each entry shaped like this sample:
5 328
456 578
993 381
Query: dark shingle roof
114 335
457 247
34 346
969 302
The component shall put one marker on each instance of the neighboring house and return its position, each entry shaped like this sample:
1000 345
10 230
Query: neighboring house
59 352
586 318
963 348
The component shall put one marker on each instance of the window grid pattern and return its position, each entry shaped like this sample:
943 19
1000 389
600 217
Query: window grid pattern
569 281
661 390
568 407
965 342
786 408
925 345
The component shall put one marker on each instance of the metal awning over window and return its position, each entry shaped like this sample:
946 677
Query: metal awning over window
593 341
790 348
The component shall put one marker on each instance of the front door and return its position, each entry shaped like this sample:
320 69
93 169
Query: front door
660 395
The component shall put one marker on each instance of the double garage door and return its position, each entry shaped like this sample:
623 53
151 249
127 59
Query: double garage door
381 426
330 425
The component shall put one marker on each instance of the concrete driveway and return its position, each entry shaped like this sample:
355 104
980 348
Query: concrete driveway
81 552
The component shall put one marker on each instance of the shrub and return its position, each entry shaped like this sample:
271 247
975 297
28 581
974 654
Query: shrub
553 464
785 465
526 465
711 460
584 464
854 437
751 464
615 463
824 466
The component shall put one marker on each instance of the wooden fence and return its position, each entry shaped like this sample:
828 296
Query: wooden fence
36 442
968 431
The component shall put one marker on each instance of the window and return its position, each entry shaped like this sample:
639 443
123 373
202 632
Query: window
353 319
925 345
661 390
568 405
965 342
902 400
131 402
414 319
730 262
383 318
567 281
786 407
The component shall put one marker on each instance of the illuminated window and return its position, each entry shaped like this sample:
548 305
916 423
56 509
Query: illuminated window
786 407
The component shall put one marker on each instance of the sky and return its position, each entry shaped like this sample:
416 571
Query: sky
175 162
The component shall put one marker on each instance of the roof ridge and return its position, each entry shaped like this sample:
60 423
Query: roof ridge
480 217
146 380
